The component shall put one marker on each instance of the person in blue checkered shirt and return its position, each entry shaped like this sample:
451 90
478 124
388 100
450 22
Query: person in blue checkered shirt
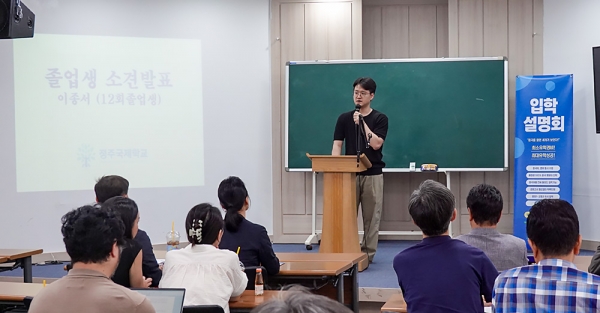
553 284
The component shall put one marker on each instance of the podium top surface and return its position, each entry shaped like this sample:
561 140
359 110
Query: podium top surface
339 163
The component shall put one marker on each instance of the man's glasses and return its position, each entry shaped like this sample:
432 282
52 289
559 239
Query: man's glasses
361 93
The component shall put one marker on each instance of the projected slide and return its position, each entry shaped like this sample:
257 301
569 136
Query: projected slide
87 106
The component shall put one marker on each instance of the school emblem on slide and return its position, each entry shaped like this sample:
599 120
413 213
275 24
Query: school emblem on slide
86 155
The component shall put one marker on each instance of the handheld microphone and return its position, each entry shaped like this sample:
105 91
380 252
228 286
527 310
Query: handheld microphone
357 131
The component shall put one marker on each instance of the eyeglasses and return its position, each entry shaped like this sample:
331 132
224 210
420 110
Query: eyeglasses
361 93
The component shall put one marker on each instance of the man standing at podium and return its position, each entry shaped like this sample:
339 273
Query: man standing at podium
364 130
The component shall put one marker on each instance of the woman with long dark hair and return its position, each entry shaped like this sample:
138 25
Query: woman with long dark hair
252 240
129 271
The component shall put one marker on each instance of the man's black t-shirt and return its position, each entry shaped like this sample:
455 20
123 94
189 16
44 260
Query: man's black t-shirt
345 130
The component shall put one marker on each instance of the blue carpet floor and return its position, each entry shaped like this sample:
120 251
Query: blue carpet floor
379 274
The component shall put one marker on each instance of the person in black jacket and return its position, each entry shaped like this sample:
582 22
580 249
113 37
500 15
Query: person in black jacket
251 239
150 266
112 186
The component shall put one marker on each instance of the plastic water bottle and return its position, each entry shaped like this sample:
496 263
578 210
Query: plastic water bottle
258 283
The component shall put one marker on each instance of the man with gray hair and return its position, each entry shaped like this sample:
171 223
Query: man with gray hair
441 274
484 203
298 299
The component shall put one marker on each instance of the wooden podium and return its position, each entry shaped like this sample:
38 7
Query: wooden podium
340 229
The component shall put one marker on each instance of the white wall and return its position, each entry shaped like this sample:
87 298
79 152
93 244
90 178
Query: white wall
571 29
236 99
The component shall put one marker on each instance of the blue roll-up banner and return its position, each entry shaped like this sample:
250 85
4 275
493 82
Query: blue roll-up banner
543 143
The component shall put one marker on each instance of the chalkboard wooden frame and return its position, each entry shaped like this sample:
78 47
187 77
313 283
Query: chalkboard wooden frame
416 60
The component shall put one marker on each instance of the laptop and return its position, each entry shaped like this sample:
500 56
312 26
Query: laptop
164 300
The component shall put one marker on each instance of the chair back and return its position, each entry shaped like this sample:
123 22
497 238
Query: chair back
20 309
27 302
203 309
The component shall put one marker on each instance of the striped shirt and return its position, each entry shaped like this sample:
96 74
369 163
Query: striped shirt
552 285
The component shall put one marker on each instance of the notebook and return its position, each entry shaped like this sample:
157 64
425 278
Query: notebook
165 300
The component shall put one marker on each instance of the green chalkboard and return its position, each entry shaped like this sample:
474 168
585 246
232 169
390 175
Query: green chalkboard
451 112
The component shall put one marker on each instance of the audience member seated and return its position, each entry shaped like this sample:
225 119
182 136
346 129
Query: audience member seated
113 186
594 267
252 239
484 203
300 300
209 275
92 237
441 274
129 271
553 284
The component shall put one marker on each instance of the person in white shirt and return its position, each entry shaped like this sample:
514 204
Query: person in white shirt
209 275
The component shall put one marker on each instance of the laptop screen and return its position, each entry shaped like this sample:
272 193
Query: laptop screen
165 300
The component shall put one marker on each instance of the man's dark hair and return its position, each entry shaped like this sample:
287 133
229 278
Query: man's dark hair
126 209
367 83
485 203
431 207
110 186
232 195
212 223
553 226
89 233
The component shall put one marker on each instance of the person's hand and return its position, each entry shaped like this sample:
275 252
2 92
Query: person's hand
356 117
485 303
147 281
161 266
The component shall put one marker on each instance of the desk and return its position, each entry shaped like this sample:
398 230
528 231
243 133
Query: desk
394 304
309 257
322 268
160 254
319 273
14 293
249 301
582 262
355 258
22 258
